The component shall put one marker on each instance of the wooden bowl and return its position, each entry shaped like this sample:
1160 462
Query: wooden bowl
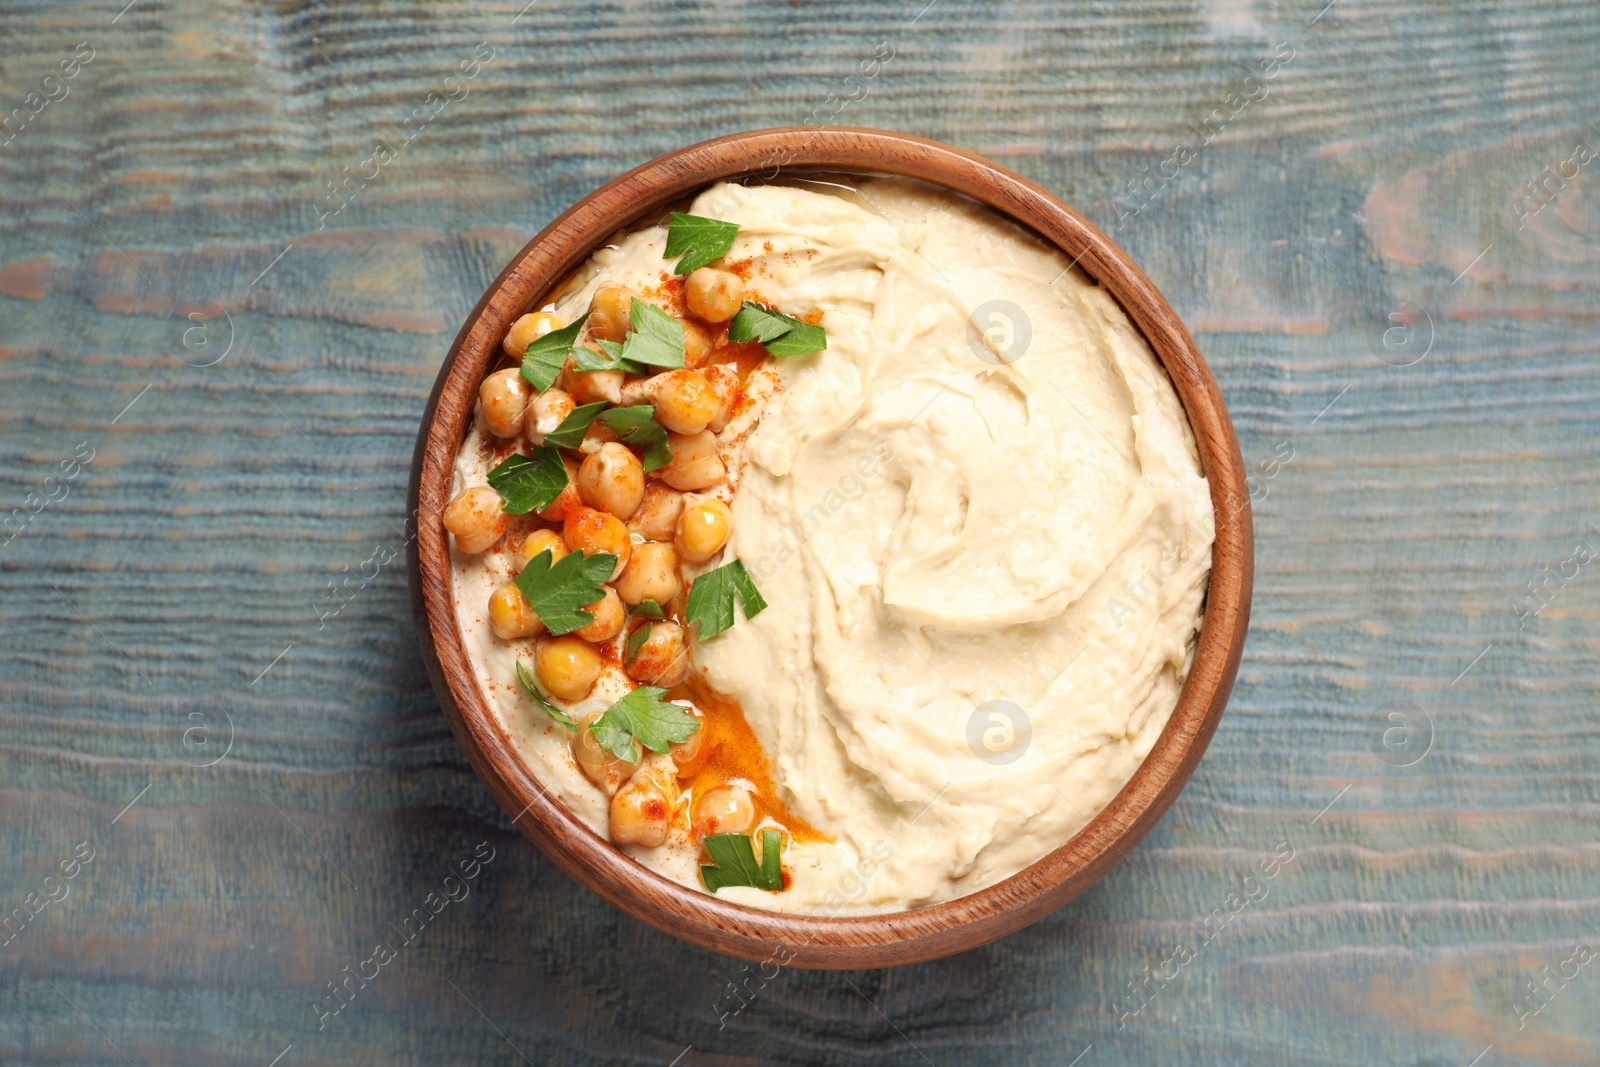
846 942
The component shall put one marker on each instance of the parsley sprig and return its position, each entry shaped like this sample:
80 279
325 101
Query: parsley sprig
636 641
559 592
529 483
734 859
781 334
643 717
545 356
571 432
606 356
656 338
711 598
539 698
637 426
698 240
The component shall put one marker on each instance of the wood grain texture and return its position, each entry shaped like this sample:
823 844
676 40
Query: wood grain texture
1400 514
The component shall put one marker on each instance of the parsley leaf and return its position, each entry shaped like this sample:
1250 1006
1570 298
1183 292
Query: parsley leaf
571 432
558 593
712 594
615 738
636 641
783 335
630 420
698 240
735 861
529 484
649 609
657 338
802 340
644 717
545 356
549 709
608 358
756 323
637 426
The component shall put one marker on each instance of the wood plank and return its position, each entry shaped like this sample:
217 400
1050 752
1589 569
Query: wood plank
193 552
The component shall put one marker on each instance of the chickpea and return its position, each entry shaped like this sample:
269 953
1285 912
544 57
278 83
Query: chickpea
503 399
589 531
526 330
684 399
610 313
696 343
662 659
511 615
727 809
612 479
567 666
703 528
652 574
569 499
596 437
691 755
714 295
589 386
641 813
635 391
474 516
675 607
657 517
695 462
537 542
599 766
609 618
546 413
724 380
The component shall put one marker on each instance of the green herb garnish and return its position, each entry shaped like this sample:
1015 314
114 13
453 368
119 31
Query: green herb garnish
782 335
545 356
698 240
636 641
608 358
735 861
559 593
649 609
756 323
571 432
637 426
712 594
656 338
529 484
549 709
644 717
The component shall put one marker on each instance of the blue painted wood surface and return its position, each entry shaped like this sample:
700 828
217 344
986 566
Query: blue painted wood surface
209 390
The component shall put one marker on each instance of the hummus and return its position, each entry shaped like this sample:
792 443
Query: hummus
979 521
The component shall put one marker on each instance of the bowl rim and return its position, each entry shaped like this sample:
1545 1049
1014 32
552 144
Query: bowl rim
834 941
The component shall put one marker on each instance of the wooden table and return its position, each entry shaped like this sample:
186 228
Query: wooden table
221 311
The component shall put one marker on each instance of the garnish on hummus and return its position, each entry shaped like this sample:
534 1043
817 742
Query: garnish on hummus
832 549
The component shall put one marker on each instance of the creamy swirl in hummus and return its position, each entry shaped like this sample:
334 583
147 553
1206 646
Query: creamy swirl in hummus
980 524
